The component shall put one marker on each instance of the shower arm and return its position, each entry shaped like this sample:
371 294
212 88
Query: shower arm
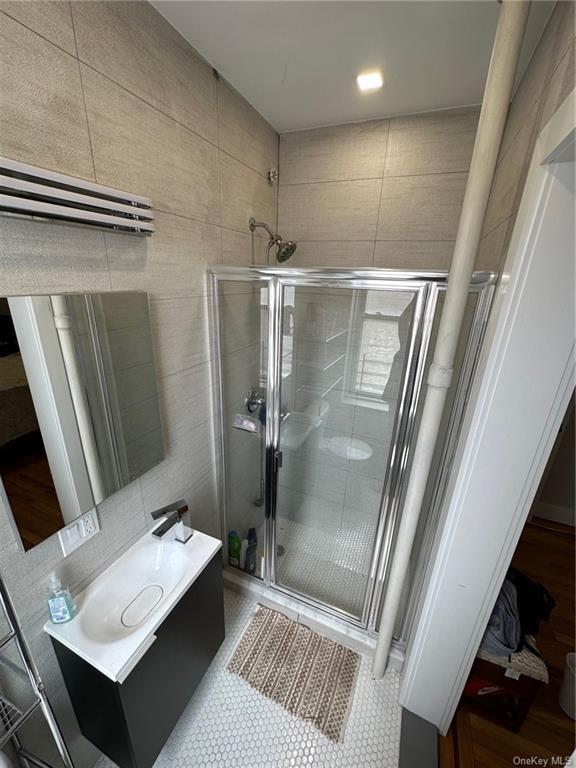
253 224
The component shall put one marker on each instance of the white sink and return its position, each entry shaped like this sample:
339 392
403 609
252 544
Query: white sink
120 610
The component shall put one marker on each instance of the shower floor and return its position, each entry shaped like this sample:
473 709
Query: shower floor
328 565
228 724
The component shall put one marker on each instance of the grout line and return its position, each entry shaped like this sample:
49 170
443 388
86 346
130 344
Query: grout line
220 183
171 117
389 118
84 103
137 96
499 224
376 178
90 142
381 193
39 34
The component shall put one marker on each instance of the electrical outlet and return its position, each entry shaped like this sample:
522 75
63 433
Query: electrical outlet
76 533
89 524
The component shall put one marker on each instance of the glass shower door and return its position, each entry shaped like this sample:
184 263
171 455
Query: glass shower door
347 359
242 318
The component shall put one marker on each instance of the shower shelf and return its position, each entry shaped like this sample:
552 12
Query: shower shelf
319 392
320 365
324 339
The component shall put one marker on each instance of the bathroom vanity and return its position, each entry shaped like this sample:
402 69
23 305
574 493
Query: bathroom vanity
146 631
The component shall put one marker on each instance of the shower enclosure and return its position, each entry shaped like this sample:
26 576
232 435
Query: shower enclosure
319 375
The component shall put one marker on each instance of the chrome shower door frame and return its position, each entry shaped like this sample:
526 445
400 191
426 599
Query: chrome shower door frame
426 285
420 326
216 276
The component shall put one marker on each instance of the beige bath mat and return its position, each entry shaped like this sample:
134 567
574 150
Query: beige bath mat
310 676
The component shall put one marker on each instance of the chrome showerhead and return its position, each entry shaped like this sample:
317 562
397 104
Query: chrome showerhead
285 250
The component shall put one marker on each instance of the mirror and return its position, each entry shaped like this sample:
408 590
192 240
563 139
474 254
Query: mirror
79 412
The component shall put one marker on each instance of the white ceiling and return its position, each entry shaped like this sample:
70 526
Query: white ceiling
296 62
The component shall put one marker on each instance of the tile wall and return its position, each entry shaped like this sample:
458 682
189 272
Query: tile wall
388 193
108 91
385 193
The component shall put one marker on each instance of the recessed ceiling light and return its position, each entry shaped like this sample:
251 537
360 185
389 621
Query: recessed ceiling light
370 81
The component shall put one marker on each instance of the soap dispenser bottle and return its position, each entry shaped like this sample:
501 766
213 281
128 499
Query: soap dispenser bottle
60 603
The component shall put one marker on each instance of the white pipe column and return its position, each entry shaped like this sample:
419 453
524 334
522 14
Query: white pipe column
497 93
87 438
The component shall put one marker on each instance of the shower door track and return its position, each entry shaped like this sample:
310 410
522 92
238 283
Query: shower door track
426 286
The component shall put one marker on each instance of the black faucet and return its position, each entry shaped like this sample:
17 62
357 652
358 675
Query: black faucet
175 512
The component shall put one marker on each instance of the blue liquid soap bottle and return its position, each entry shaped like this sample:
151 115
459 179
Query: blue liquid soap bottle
60 603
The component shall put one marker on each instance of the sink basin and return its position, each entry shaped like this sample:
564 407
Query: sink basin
120 610
120 603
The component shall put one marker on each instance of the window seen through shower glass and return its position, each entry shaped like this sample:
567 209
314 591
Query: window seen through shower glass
344 354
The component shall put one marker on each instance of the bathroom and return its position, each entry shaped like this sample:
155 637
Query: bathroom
270 318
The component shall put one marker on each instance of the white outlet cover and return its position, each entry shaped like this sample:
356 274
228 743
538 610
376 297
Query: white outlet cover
78 532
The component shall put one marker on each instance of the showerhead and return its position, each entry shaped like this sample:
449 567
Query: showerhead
285 250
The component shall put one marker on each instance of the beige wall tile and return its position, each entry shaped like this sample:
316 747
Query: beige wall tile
239 321
46 257
172 262
244 133
140 149
510 175
242 248
414 254
50 18
553 44
42 115
421 207
332 254
245 193
131 43
185 401
334 153
493 246
559 86
180 333
341 210
437 142
188 462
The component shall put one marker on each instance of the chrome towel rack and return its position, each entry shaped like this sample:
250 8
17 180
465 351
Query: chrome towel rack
13 716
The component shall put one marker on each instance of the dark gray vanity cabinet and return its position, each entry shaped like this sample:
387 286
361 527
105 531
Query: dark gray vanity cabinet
131 721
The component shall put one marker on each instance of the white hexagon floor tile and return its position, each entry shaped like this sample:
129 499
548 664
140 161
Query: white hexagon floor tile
227 724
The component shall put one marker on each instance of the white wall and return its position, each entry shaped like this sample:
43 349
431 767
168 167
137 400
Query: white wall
524 382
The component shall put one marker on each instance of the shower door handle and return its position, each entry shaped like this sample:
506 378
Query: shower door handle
277 460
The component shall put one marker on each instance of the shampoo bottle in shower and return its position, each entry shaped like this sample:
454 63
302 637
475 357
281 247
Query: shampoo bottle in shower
234 549
60 603
243 551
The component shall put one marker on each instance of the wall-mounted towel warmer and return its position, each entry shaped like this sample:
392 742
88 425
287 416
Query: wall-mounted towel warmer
31 191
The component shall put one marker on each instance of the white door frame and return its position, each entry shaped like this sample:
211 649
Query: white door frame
525 378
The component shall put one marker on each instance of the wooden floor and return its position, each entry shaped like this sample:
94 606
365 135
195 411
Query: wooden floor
30 489
545 552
